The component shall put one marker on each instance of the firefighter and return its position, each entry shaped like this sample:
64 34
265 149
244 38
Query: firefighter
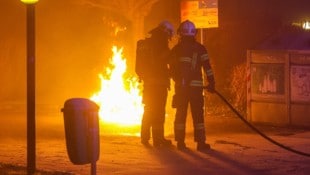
152 69
188 59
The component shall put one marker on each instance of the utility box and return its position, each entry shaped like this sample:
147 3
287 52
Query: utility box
278 87
81 130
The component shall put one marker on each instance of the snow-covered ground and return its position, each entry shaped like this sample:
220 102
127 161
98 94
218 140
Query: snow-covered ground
235 150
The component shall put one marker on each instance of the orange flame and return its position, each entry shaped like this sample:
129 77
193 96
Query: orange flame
120 99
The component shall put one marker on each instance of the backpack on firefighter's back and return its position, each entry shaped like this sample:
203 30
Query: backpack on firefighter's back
144 58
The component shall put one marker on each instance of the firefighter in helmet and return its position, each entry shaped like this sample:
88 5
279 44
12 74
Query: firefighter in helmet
188 59
152 69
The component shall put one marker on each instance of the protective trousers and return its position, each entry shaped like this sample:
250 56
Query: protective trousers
154 99
192 96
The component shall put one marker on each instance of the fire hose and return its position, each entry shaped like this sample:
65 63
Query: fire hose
257 130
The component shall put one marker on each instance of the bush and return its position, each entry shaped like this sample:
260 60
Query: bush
235 93
237 88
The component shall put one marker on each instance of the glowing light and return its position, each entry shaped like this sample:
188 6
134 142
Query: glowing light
120 98
306 25
29 1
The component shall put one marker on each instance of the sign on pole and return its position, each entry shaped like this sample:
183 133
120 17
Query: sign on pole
204 13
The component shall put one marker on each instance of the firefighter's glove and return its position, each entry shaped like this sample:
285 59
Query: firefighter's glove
211 87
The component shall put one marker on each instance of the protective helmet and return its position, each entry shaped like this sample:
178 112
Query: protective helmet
187 28
166 27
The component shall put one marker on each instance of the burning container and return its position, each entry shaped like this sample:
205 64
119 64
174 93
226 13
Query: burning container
81 130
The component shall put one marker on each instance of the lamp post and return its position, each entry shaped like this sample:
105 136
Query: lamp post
31 132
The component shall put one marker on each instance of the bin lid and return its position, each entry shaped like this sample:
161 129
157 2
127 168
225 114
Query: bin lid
80 104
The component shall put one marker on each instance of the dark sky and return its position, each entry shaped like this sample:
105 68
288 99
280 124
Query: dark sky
73 44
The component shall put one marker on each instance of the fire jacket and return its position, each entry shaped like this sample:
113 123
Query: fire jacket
187 59
152 61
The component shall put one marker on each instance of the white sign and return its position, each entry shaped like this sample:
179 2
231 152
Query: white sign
204 13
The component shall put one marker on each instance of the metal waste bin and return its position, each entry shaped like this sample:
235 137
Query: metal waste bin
81 130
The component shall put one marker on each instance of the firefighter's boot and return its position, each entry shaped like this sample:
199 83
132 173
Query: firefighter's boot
181 146
145 134
202 146
179 134
158 137
162 143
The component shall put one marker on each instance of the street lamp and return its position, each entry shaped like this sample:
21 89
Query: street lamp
29 1
31 132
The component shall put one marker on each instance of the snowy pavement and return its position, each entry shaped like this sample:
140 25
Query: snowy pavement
235 150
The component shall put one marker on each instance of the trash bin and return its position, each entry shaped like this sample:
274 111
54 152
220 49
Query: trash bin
81 130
